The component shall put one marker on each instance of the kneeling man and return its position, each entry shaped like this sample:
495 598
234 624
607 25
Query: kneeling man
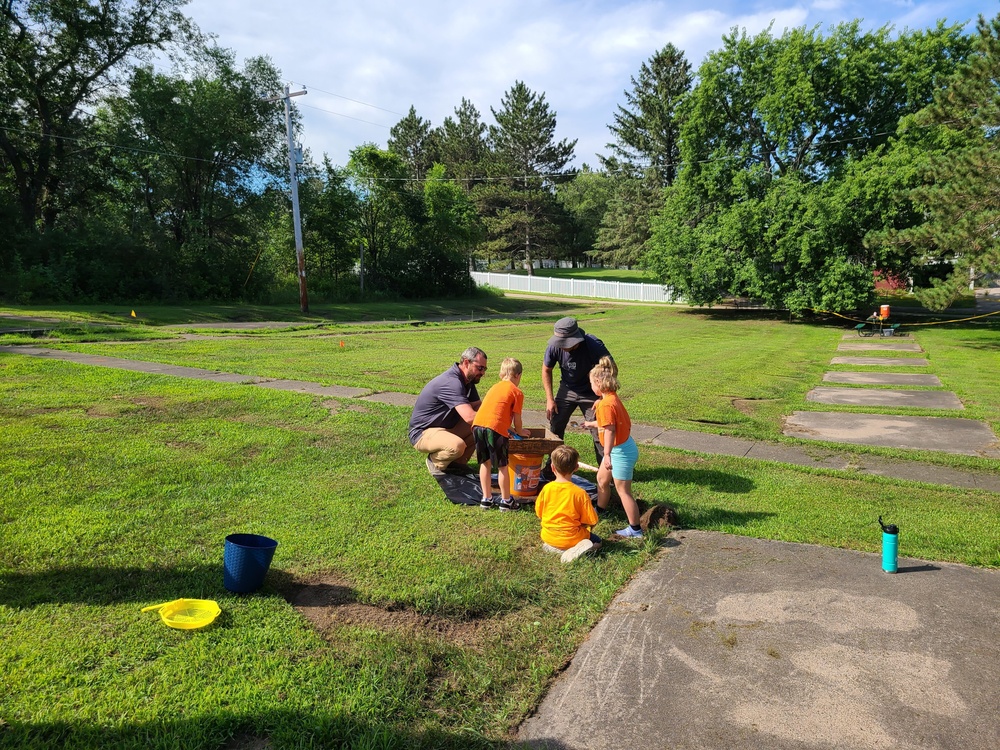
441 423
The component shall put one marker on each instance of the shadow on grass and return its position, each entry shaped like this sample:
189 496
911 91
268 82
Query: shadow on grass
108 585
276 728
712 519
718 481
734 313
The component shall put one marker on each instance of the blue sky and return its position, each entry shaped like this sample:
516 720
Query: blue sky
365 63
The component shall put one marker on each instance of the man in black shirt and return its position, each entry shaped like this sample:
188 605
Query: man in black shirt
576 353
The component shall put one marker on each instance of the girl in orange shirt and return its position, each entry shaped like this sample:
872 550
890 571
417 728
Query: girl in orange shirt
614 429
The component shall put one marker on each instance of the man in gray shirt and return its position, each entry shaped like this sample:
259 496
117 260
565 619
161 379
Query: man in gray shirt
441 423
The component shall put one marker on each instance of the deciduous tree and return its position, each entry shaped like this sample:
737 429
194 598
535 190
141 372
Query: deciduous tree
777 138
56 58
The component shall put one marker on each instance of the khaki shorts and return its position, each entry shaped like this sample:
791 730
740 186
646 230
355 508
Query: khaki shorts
441 446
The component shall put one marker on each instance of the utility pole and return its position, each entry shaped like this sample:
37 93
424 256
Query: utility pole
296 220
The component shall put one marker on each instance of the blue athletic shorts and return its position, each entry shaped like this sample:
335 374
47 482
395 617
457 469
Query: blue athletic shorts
623 458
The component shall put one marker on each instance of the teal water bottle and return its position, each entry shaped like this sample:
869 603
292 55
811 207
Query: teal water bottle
890 546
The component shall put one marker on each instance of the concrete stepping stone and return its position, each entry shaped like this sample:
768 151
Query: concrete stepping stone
879 346
946 434
881 378
883 361
885 397
853 336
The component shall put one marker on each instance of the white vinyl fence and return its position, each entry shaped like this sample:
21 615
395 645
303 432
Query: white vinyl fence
620 290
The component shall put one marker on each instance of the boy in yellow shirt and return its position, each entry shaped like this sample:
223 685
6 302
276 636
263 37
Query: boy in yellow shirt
500 409
565 510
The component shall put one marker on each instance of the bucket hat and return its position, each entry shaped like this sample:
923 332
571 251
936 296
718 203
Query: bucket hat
567 334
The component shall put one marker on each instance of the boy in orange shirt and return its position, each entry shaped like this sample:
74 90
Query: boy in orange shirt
565 510
501 407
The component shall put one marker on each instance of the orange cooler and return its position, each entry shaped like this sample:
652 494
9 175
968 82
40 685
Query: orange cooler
883 311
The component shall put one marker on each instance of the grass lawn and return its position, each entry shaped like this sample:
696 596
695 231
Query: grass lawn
732 373
126 484
99 316
120 487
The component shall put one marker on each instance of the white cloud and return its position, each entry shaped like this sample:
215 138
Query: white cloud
431 54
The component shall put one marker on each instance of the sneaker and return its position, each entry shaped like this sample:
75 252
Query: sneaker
577 550
629 533
553 550
510 504
433 469
487 502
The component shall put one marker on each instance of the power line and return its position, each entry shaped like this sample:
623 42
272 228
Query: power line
356 101
341 114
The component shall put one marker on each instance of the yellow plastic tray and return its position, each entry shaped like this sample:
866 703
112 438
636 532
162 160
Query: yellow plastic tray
187 614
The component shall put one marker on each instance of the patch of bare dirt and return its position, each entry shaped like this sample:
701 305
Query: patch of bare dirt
746 405
101 411
151 402
328 602
356 407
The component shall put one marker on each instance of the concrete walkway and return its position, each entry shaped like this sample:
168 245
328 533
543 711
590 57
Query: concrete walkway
698 442
732 642
948 435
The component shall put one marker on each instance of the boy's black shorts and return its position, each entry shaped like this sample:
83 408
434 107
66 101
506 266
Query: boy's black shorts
490 446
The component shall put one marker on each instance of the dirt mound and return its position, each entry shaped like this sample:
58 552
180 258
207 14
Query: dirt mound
659 515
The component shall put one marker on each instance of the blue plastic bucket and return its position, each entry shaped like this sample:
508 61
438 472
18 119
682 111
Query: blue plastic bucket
245 561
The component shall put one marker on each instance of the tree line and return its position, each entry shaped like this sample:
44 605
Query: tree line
795 168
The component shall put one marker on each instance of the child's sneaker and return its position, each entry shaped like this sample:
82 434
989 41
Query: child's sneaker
487 502
577 550
509 504
629 533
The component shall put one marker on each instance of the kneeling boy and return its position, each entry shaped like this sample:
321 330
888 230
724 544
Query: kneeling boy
565 510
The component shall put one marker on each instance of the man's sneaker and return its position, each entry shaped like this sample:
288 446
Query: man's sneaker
629 533
487 502
434 470
577 550
510 504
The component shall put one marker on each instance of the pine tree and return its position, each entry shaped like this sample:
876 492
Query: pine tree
413 140
647 130
461 145
645 156
961 192
518 203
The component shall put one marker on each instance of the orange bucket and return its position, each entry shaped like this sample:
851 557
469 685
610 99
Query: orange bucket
525 471
883 312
